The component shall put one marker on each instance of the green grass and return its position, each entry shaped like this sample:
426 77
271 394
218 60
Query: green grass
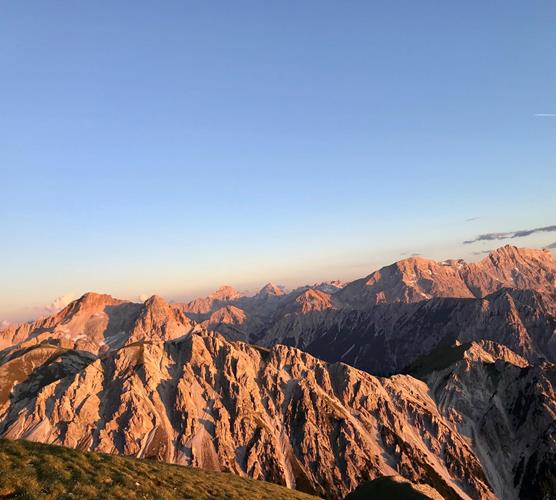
31 470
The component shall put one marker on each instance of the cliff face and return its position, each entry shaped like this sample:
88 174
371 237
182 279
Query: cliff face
99 323
384 321
468 407
279 415
266 315
507 409
387 337
416 279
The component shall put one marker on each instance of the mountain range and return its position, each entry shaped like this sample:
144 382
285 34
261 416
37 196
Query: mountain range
441 373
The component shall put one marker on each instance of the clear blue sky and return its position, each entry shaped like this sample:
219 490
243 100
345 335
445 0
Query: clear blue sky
173 146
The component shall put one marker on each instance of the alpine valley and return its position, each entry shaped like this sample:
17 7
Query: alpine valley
433 376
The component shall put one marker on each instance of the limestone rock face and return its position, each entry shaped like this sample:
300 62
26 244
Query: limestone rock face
456 389
385 338
311 300
507 409
99 323
270 290
229 315
384 321
204 306
279 415
79 320
416 279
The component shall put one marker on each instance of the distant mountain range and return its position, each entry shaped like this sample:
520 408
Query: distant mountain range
439 372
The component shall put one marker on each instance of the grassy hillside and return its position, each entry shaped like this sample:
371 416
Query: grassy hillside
31 470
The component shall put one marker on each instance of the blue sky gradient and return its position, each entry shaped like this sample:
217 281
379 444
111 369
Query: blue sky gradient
171 147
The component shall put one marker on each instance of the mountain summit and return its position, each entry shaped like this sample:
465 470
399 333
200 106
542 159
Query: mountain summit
440 373
270 289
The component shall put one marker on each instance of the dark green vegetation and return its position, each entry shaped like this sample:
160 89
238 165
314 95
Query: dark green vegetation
438 359
386 488
31 470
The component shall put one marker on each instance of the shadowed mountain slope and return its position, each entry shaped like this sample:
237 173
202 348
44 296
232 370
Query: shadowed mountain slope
393 488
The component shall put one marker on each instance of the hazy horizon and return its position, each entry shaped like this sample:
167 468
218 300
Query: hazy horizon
174 148
36 311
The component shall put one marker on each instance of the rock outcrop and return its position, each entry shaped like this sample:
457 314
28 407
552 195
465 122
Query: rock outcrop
441 373
279 415
98 323
385 338
416 279
416 300
506 408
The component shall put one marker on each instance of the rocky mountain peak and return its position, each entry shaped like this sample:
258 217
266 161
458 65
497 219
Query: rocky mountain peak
270 289
278 415
88 302
313 300
511 253
225 293
488 351
330 287
230 315
156 302
415 279
471 415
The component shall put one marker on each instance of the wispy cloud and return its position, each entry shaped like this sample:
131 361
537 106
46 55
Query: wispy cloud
482 252
552 245
56 305
4 324
545 115
61 302
471 219
510 235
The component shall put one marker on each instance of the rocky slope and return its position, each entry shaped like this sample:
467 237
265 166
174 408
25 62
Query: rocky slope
279 415
416 279
386 337
506 407
98 323
303 315
476 344
202 307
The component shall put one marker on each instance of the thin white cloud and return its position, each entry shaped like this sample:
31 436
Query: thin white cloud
4 324
56 305
545 115
61 302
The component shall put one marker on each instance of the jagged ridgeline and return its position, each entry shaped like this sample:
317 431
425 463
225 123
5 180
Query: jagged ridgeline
436 373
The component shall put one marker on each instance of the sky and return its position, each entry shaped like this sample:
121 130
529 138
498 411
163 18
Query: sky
171 147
